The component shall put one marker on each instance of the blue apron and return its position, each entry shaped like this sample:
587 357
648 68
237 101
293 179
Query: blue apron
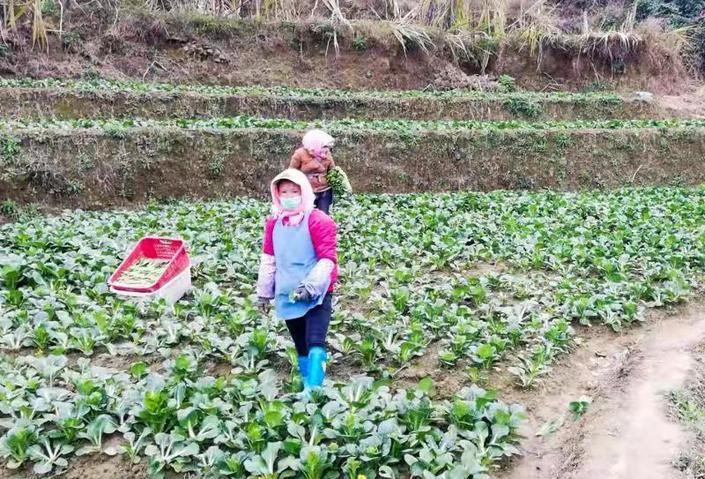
295 258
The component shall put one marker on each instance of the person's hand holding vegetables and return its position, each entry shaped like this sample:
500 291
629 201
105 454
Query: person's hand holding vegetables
315 284
301 294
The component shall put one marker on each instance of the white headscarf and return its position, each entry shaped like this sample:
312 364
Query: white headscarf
307 197
315 140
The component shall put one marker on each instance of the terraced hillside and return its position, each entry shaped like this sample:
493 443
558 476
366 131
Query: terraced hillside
453 305
528 223
68 99
100 143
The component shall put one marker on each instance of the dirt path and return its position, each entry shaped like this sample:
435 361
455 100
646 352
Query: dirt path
684 106
626 432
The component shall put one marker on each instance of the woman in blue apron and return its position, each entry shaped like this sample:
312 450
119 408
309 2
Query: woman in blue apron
298 270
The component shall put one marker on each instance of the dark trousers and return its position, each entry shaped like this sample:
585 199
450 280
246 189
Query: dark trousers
324 200
311 329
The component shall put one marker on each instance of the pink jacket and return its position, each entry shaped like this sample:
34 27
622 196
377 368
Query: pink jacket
322 229
323 235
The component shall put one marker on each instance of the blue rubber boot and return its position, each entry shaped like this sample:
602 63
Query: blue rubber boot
316 367
303 369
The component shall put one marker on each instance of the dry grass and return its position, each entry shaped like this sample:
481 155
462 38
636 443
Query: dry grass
479 48
337 19
392 10
488 16
285 10
610 45
39 26
464 46
535 24
16 12
469 30
664 49
411 36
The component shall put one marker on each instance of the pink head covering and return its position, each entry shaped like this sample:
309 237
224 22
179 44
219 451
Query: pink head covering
307 196
315 140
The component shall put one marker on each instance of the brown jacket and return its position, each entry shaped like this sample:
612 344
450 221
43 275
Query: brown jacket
314 169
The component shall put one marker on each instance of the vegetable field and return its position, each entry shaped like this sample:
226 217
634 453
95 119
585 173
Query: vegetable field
479 285
100 98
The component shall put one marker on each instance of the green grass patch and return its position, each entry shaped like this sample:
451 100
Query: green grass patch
688 407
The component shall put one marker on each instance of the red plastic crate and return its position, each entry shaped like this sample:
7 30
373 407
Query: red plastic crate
150 247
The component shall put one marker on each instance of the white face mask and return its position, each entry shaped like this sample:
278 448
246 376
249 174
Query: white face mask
290 203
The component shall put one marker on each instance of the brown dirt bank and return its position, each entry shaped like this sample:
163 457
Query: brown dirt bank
87 168
196 48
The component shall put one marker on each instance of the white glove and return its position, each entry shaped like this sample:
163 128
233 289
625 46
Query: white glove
265 277
318 279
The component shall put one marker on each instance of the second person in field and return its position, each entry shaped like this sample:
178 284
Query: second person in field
314 159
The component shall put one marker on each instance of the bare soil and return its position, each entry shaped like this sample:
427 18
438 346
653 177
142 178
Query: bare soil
626 432
90 467
446 382
690 106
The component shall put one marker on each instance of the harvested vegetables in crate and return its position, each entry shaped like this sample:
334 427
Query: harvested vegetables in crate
143 272
155 268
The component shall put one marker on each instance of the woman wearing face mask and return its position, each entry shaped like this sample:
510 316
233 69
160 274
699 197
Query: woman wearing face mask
298 269
315 161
